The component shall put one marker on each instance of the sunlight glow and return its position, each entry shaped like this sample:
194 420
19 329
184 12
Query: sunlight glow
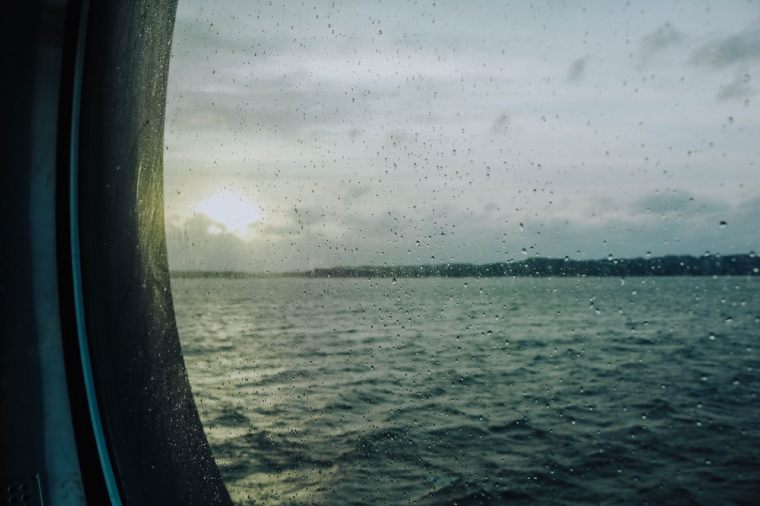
234 211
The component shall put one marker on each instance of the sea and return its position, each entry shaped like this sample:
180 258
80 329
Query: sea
478 391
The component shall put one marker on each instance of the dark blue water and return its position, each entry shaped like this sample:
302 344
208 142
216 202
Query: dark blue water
478 391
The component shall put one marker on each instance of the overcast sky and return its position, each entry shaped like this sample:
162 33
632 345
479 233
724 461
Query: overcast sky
404 132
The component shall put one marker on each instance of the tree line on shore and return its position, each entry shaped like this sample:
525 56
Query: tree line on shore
672 265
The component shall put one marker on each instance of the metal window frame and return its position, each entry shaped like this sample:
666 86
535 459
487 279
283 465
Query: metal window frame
149 437
95 403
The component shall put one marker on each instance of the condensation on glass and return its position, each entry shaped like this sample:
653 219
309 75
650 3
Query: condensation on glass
440 252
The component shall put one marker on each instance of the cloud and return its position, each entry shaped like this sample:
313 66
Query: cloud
286 104
658 40
737 89
738 48
668 222
501 124
432 141
200 243
576 70
677 201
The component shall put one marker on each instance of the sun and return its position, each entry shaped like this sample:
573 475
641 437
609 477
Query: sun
234 210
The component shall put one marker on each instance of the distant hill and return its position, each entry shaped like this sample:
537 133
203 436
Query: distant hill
673 265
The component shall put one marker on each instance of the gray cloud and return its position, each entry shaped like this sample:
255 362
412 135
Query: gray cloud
501 124
737 89
282 105
576 70
200 243
673 222
677 201
740 47
432 142
658 40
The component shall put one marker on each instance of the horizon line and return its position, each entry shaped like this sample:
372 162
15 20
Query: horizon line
428 268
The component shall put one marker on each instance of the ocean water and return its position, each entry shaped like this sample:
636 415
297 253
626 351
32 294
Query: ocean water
478 391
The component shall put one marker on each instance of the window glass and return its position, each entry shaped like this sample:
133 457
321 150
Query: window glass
449 252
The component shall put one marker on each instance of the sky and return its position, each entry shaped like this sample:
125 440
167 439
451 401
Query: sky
320 134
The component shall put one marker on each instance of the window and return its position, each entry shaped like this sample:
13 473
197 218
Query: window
437 252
